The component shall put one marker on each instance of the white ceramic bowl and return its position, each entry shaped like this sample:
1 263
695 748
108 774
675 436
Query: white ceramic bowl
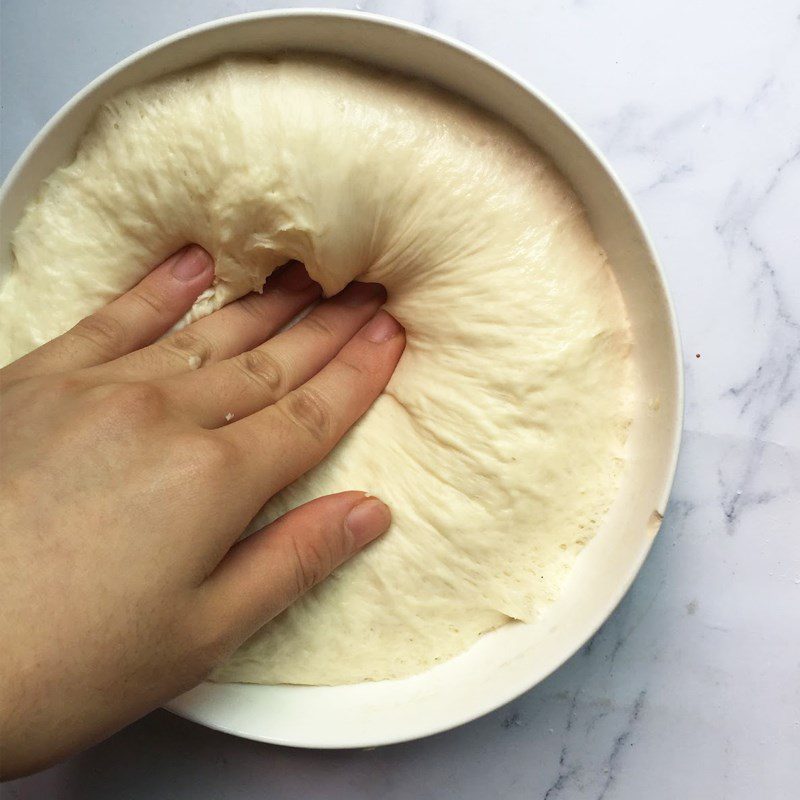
509 661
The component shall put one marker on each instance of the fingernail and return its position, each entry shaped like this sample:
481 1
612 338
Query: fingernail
368 520
190 263
358 294
382 327
294 278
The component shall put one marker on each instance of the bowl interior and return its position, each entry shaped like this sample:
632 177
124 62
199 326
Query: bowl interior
509 661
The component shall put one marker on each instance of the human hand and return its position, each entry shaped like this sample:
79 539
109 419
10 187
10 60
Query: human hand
126 483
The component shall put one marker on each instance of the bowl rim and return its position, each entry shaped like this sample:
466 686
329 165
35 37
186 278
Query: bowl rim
637 559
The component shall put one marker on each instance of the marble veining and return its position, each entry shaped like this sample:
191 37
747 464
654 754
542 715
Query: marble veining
692 687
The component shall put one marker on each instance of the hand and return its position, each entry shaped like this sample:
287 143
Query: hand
127 476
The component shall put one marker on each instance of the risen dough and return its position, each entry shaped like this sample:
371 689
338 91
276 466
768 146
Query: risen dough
499 440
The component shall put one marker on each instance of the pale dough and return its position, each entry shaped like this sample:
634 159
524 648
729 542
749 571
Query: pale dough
499 440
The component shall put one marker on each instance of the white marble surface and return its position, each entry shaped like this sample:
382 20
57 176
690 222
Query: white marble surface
692 688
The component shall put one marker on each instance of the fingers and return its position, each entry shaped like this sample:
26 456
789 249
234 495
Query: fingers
235 388
240 326
284 440
269 570
131 321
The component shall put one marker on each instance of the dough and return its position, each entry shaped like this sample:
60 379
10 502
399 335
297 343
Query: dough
498 442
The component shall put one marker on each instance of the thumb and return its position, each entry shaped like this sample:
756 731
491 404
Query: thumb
263 574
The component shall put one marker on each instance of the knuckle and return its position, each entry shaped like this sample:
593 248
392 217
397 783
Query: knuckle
317 326
138 395
211 645
308 410
149 302
103 331
206 636
188 346
143 395
252 306
212 453
263 369
313 561
135 402
355 370
64 385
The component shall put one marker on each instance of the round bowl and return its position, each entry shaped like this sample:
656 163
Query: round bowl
511 660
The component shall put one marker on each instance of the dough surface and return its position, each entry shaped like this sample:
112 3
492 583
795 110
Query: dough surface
499 441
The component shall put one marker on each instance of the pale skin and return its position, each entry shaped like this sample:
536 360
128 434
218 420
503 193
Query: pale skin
126 483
